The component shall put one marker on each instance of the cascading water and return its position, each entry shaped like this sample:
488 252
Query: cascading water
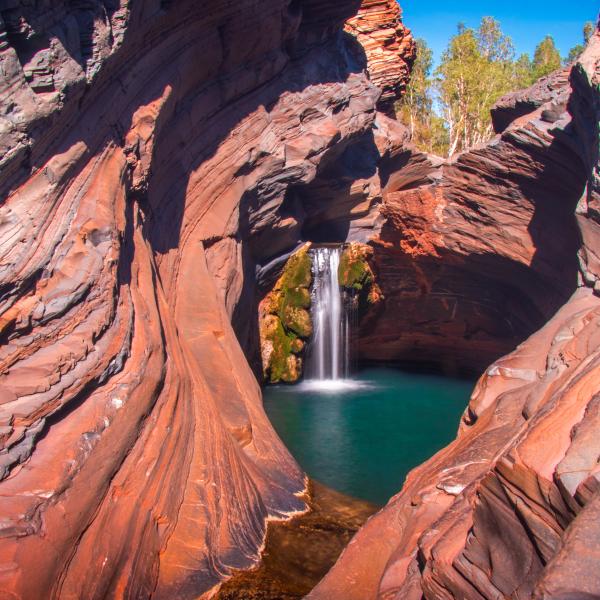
329 352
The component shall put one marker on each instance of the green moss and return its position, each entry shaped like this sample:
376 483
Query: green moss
299 297
355 275
297 271
354 271
286 319
297 320
282 348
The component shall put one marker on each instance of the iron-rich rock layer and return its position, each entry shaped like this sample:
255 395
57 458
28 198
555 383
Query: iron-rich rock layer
389 48
508 510
160 161
146 153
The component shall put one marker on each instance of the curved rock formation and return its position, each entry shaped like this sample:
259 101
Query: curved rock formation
478 252
159 162
510 508
148 148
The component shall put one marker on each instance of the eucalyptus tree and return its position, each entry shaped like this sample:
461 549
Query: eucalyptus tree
476 69
575 52
546 58
416 108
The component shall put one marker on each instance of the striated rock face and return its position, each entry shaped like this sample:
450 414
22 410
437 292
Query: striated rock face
476 253
159 162
497 513
389 47
510 509
147 153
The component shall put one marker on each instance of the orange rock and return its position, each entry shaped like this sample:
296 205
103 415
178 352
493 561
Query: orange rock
388 47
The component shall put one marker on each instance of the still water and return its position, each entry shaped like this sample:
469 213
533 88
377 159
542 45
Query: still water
362 436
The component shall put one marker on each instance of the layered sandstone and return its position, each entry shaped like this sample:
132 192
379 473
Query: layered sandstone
389 48
148 150
160 161
510 508
477 252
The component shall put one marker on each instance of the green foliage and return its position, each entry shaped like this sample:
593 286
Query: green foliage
428 131
476 69
576 51
449 111
522 72
546 58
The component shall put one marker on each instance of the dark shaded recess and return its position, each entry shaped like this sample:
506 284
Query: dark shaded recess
327 200
25 47
265 248
321 213
467 315
553 228
502 117
156 42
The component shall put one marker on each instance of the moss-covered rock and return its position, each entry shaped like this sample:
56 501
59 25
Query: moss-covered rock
284 320
356 275
354 270
297 320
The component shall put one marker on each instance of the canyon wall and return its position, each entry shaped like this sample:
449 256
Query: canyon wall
147 150
479 251
160 161
510 508
388 46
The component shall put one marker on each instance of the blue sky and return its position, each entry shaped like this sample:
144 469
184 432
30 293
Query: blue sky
526 21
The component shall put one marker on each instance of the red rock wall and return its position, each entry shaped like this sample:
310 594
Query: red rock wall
478 252
389 48
145 144
156 157
510 508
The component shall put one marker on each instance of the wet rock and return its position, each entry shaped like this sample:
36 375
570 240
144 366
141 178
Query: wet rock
284 320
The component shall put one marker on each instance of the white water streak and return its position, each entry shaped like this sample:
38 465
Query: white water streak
328 359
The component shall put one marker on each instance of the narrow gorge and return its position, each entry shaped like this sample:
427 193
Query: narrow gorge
170 174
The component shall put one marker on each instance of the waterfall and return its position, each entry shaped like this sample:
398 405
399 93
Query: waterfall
329 354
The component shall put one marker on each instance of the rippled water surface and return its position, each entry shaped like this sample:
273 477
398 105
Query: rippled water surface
362 436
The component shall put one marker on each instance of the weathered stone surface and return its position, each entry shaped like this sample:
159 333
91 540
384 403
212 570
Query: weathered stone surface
148 149
159 162
389 47
509 509
478 252
284 320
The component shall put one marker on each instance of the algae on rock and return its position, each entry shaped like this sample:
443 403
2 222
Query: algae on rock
356 275
284 320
